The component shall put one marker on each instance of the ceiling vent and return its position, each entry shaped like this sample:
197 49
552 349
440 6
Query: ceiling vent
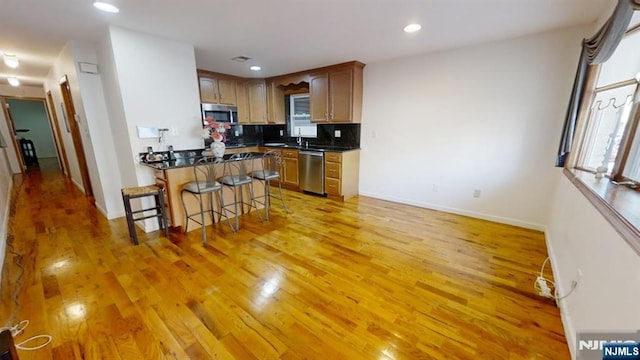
241 58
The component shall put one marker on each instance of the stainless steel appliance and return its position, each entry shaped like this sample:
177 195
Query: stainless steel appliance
311 169
222 113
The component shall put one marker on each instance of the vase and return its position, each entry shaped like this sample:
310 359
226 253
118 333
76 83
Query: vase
217 148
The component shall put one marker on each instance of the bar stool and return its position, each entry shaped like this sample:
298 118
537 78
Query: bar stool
271 163
159 208
236 175
204 171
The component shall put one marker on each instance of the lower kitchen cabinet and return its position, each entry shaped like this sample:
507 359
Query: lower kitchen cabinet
290 176
341 174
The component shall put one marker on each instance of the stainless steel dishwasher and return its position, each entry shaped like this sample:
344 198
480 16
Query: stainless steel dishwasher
311 169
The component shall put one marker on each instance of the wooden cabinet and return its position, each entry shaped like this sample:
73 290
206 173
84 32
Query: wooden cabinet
335 95
319 98
243 103
275 104
341 174
217 90
257 101
290 176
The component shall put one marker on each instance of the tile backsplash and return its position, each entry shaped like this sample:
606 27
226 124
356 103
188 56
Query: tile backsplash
238 134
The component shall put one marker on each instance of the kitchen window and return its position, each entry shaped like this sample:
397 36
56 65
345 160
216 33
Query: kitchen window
300 117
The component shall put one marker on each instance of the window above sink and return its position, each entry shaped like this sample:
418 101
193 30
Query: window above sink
299 117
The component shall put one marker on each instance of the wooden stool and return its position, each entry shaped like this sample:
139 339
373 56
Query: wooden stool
143 191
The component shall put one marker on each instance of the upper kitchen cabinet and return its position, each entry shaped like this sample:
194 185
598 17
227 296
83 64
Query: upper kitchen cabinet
243 103
275 103
217 88
335 94
257 101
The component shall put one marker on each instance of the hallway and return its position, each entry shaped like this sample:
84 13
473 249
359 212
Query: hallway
362 279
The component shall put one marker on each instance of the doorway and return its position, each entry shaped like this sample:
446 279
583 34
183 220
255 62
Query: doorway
33 134
72 121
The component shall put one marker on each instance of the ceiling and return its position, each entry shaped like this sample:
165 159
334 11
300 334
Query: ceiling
282 36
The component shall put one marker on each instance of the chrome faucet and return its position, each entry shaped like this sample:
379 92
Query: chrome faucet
299 139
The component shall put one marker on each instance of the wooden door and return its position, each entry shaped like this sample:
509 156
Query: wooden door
319 98
340 95
55 124
257 102
70 110
208 90
227 92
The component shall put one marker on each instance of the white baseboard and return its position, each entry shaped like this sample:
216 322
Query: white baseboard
109 215
78 185
565 316
473 214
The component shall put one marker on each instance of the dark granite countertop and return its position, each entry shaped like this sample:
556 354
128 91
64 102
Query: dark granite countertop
184 158
187 161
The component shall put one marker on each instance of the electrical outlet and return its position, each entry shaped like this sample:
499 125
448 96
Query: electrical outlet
237 133
281 132
337 133
477 193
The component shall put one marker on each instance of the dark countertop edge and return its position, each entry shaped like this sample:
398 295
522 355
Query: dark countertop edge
159 165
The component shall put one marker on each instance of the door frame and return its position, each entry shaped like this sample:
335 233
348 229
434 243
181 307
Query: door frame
57 138
13 133
73 120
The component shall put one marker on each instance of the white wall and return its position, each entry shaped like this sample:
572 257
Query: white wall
103 161
5 197
98 143
64 65
485 117
578 237
158 87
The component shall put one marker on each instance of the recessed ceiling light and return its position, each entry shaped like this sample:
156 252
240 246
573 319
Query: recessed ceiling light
11 60
106 7
13 81
255 68
412 28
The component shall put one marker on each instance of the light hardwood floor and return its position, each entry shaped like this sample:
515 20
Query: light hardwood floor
364 279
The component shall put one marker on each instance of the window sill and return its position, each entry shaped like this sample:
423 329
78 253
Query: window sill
619 205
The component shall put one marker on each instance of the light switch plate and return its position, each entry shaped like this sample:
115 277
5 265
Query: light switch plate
281 132
337 133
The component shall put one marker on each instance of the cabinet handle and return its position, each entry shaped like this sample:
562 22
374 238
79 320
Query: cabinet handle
331 114
326 116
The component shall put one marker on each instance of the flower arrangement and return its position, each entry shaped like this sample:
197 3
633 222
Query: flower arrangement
214 130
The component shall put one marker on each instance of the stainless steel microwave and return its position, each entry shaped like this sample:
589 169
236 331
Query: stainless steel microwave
222 113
